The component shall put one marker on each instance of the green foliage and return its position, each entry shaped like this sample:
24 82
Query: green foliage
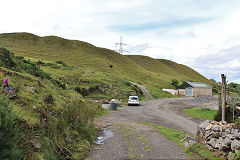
175 83
19 64
213 80
232 102
9 133
6 59
78 89
233 88
236 156
202 113
232 85
69 131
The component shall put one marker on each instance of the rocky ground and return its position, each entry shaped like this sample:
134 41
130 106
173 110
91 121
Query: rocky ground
136 141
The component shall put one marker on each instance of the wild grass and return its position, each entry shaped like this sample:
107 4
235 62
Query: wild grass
201 113
195 151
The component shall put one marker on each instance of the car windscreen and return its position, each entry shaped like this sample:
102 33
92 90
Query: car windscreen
133 98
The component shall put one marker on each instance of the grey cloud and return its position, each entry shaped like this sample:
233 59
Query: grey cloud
214 65
138 49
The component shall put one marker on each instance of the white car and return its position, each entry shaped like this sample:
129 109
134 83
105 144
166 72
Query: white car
133 100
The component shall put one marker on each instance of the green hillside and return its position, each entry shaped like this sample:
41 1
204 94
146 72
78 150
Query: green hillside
59 85
92 63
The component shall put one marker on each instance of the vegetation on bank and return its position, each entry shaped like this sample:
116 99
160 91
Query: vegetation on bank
10 134
196 151
52 122
201 113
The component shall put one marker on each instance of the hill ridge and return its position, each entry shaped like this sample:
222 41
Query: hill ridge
154 73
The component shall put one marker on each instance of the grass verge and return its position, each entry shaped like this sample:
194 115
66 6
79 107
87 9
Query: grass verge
201 113
195 151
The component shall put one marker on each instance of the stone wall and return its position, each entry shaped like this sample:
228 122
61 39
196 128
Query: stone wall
220 137
202 91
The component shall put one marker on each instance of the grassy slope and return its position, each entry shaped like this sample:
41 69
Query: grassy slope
85 62
96 61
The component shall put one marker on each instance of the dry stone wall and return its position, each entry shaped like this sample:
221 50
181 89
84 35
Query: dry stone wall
221 137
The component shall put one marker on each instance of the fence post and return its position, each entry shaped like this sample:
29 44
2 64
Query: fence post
223 97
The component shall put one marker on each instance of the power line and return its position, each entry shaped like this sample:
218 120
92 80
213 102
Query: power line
120 44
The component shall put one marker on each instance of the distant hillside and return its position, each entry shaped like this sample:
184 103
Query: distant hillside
92 63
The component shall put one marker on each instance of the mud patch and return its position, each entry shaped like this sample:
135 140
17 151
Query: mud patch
104 135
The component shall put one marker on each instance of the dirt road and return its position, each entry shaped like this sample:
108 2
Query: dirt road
136 141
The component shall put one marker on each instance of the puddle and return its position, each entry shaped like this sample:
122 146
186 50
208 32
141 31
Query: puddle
104 135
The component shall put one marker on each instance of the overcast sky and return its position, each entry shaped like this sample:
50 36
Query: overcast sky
202 34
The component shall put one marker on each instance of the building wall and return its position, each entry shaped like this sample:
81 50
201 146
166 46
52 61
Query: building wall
202 91
181 92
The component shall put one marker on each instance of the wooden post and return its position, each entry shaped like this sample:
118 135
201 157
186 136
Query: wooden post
223 97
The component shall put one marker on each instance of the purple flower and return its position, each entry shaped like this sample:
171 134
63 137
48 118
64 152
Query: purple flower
5 80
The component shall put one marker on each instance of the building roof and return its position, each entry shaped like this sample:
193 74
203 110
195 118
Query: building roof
199 85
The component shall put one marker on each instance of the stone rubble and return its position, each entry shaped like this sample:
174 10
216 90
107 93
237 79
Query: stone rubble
205 99
221 137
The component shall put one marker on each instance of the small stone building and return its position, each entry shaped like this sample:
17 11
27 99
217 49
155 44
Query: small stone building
196 89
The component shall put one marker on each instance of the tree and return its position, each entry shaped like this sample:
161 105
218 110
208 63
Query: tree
175 83
232 85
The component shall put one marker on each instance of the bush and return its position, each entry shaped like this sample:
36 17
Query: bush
49 99
175 83
6 59
78 89
9 133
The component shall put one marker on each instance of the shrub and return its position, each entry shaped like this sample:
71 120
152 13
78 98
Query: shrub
9 133
49 99
175 83
6 59
78 89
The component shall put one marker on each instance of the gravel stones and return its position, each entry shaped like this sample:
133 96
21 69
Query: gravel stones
204 99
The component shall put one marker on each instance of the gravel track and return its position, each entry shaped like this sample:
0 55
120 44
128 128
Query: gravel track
132 140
